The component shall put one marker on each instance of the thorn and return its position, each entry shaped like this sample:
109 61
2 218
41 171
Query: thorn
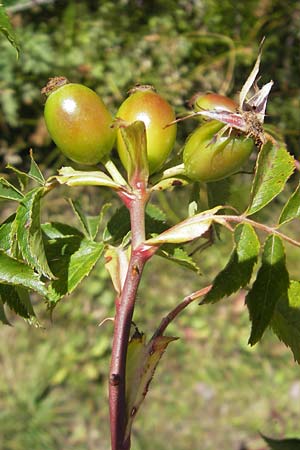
107 319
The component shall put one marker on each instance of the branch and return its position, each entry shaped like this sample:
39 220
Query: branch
260 226
174 313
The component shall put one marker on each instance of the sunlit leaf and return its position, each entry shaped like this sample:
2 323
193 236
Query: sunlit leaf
5 233
187 230
71 260
34 171
179 256
291 209
9 191
274 166
71 177
286 319
238 271
28 232
16 273
271 284
7 29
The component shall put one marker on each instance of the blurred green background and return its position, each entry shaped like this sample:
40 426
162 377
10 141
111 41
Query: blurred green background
211 390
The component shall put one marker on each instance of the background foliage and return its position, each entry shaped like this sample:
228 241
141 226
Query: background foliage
52 390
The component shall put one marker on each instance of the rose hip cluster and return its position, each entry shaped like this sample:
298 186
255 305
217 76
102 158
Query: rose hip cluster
81 126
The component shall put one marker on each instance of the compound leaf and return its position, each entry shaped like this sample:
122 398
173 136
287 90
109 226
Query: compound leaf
237 273
273 168
271 283
286 319
291 209
28 232
17 273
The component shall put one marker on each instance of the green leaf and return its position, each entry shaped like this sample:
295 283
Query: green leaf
237 273
134 137
117 226
29 234
187 230
271 283
5 233
7 29
90 224
179 256
34 171
8 191
56 230
282 444
18 300
71 259
274 166
286 319
291 209
72 177
142 360
16 273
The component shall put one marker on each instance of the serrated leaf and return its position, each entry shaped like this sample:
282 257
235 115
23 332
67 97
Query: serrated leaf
16 273
187 230
291 209
71 259
117 226
23 177
282 444
286 319
72 177
274 166
237 272
142 360
7 29
29 234
271 283
9 191
56 230
179 256
34 171
90 224
17 299
5 233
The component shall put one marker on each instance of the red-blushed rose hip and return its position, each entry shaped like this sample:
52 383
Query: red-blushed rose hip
146 105
78 122
212 101
208 160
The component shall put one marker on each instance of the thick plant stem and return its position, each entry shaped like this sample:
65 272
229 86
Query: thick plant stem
123 320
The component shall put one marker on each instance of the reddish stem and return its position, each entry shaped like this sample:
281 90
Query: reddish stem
123 318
